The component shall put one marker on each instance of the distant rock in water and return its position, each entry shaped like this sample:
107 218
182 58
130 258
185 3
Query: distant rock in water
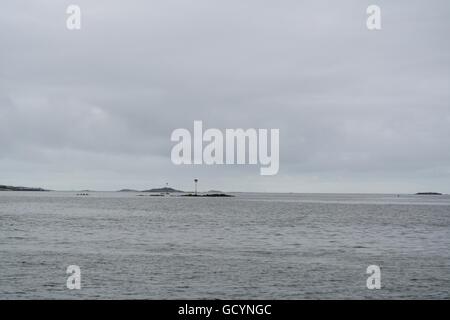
128 190
207 195
429 194
11 188
165 189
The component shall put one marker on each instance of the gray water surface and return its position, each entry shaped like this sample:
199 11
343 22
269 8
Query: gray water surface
252 246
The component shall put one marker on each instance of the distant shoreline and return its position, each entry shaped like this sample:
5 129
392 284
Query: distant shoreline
12 188
171 190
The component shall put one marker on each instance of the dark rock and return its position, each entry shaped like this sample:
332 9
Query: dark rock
429 194
11 188
165 190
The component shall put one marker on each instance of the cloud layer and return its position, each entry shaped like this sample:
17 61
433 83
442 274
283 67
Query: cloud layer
358 110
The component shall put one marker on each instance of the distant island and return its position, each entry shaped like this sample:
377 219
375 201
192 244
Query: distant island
429 194
164 190
160 190
11 188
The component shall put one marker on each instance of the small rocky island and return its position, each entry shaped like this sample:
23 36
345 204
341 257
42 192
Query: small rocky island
207 195
155 190
428 194
167 191
11 188
164 190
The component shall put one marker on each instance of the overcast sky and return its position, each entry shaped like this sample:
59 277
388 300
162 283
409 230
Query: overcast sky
358 110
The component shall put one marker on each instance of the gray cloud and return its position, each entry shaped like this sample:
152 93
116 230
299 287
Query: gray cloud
357 110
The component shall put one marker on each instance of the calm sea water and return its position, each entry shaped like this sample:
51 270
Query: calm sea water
268 246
